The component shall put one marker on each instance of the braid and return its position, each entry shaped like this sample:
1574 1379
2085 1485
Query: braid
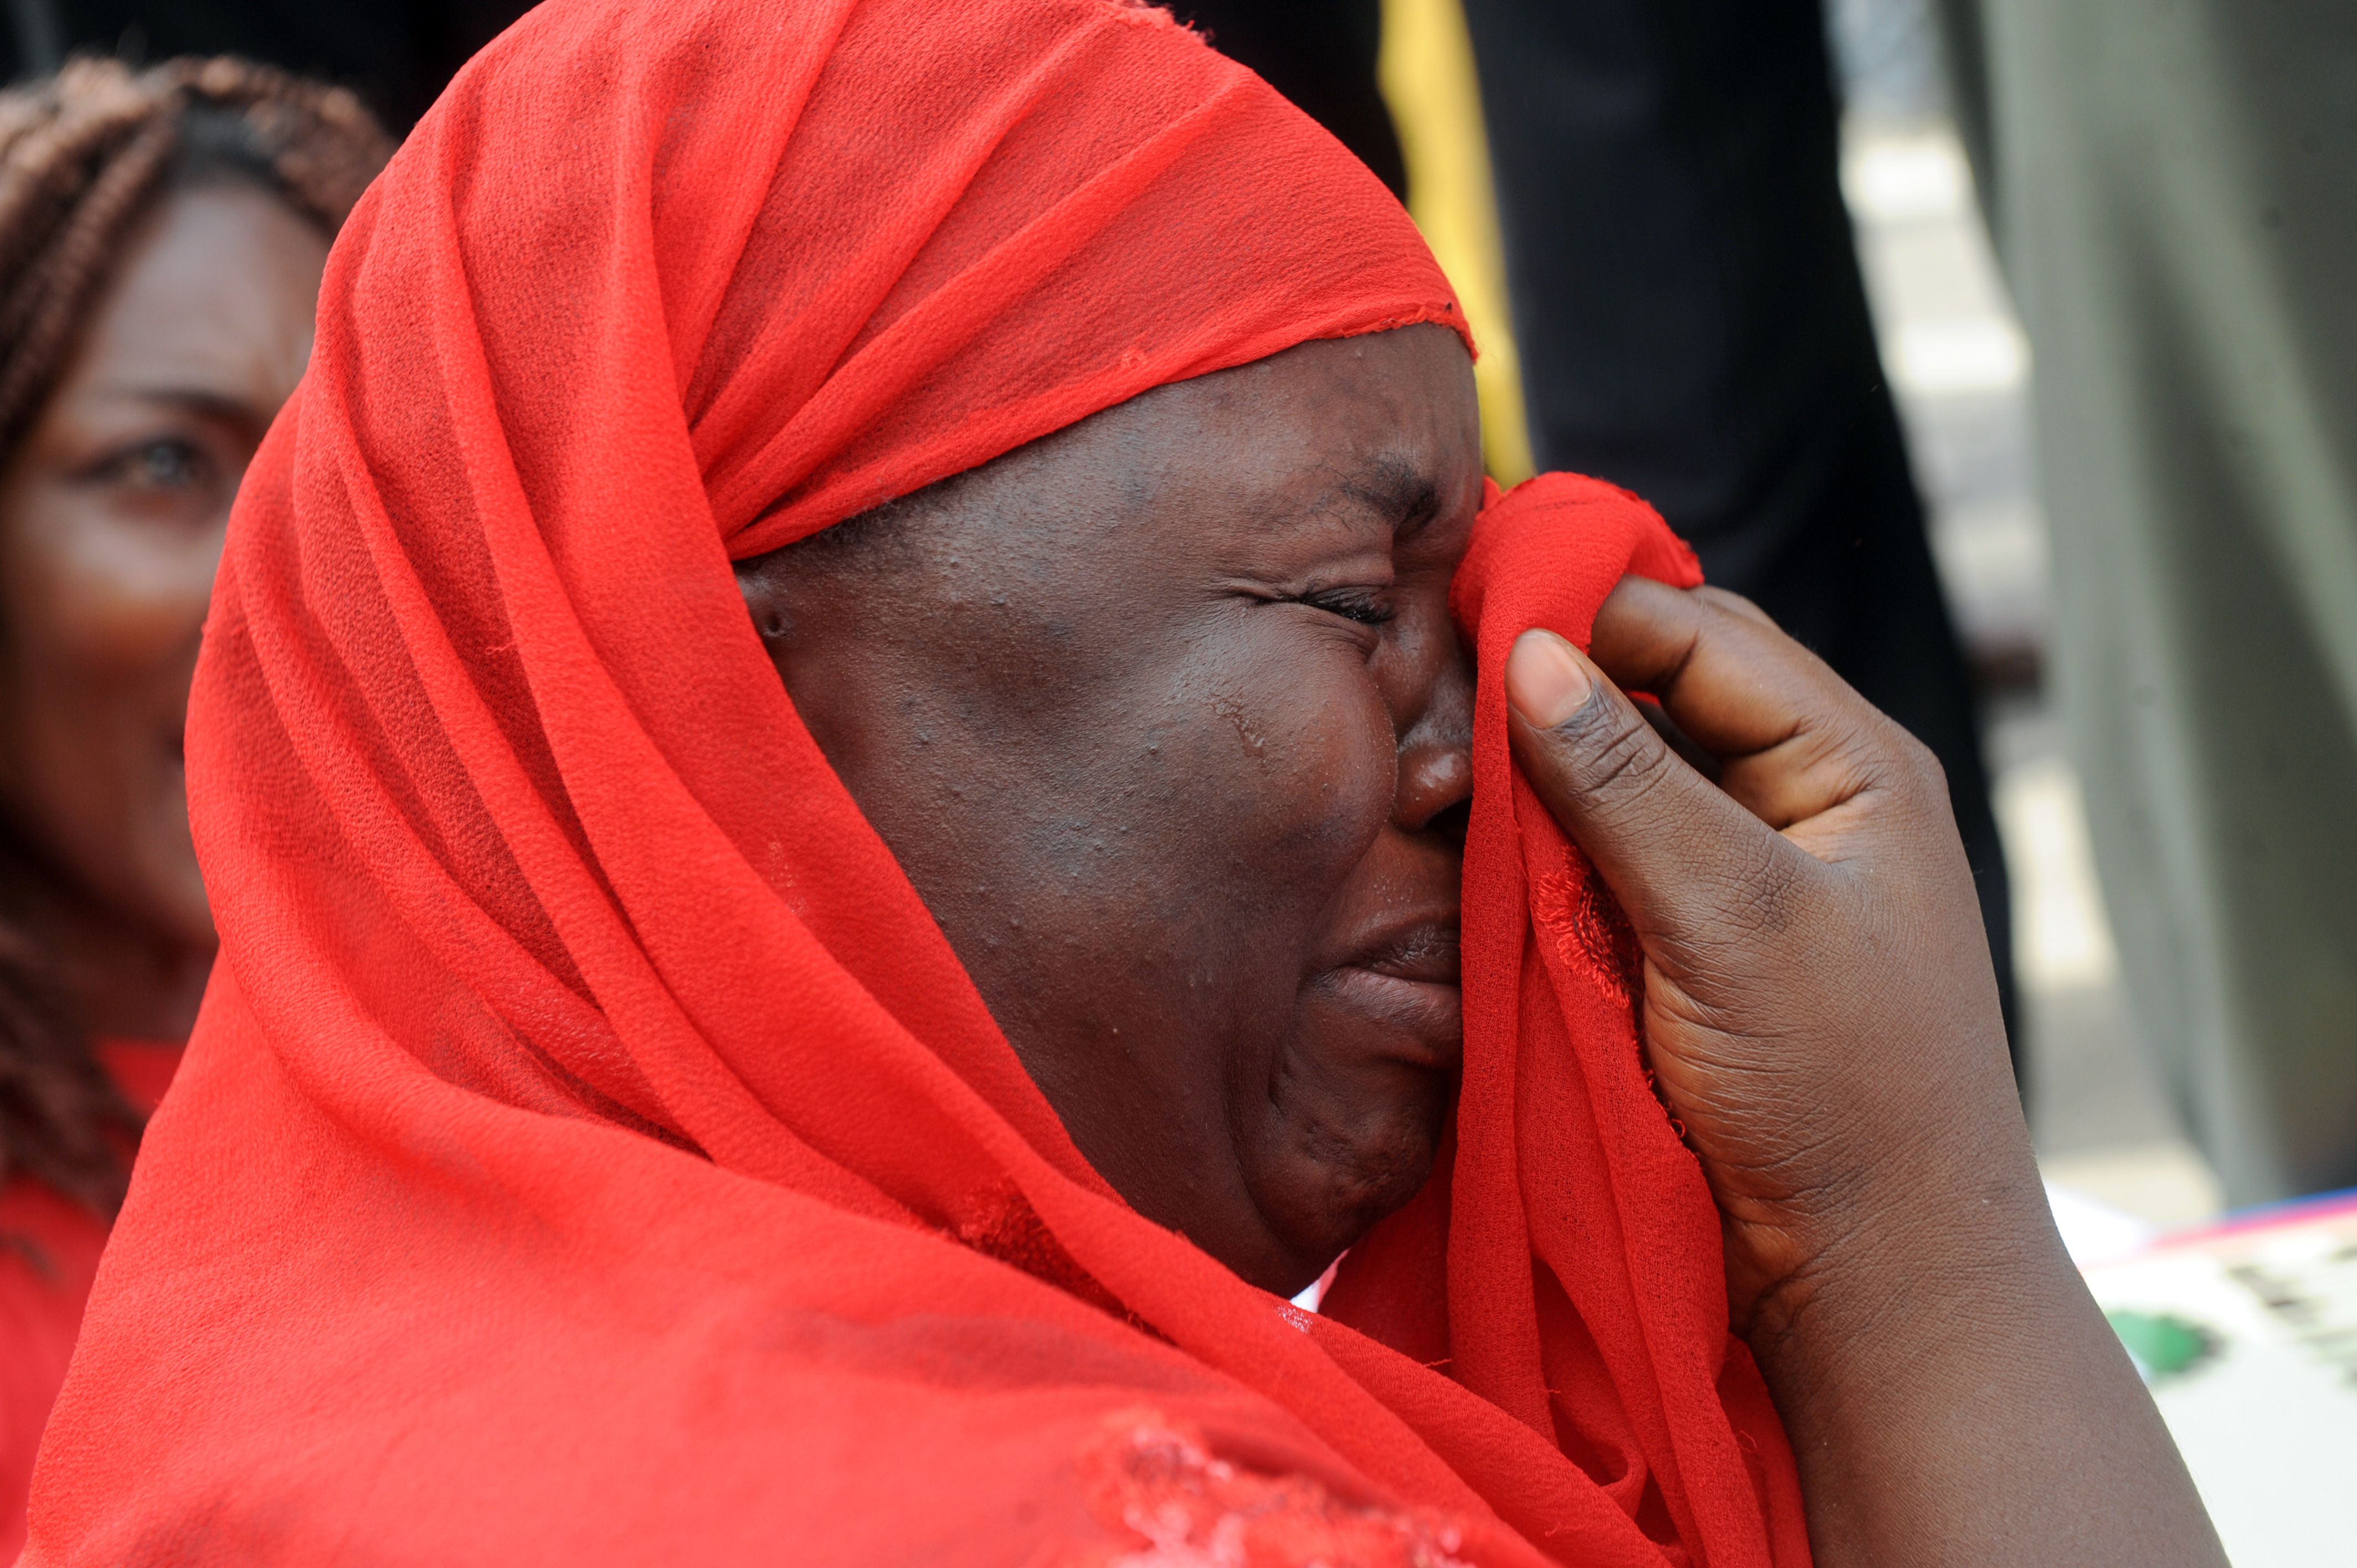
61 1118
84 156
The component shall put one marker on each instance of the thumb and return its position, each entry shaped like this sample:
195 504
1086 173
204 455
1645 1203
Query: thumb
1683 858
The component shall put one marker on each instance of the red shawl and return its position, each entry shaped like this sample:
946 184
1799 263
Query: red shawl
590 1151
49 1247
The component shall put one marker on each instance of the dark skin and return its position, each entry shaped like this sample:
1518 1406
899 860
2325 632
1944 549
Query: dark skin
111 514
1266 1067
1165 718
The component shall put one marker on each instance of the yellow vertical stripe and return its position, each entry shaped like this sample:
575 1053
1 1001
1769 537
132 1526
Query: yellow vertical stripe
1426 73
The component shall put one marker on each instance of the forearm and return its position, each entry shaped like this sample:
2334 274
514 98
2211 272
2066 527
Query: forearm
1955 1396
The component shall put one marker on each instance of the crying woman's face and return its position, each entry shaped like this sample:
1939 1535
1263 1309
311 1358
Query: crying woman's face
1166 719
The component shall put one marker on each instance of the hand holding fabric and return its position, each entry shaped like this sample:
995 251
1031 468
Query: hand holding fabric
1820 1018
1818 1009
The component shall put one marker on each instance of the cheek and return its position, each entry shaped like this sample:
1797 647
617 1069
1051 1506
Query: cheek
102 616
1189 822
1292 727
105 597
102 619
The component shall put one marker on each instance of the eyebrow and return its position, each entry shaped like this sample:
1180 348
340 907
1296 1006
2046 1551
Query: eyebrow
1395 488
200 401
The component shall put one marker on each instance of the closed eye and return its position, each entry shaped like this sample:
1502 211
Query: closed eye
1367 606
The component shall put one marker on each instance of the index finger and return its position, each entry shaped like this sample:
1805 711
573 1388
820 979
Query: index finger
1791 739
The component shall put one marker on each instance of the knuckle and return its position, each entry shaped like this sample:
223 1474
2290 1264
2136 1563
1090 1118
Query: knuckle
1916 768
1615 753
1920 761
1734 604
1881 753
1759 893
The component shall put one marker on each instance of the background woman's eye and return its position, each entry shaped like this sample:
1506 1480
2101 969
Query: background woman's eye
1365 605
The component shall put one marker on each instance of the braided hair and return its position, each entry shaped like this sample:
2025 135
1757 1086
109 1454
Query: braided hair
84 156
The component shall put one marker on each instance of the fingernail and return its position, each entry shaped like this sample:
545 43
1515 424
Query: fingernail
1545 680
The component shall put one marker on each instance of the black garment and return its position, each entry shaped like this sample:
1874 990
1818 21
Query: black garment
402 53
1321 54
1693 325
397 54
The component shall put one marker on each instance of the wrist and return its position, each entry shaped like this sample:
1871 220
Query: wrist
1952 1393
1927 1239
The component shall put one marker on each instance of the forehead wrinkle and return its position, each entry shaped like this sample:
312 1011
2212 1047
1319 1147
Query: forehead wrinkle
1330 511
1402 493
1372 502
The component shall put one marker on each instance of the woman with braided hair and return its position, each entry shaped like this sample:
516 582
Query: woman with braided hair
162 234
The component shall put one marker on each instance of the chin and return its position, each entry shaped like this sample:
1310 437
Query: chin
172 889
175 900
1329 1191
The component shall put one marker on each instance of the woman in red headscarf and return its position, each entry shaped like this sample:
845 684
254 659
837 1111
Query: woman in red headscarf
855 1081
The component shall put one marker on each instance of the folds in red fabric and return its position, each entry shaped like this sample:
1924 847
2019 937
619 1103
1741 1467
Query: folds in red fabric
590 1150
1568 1268
49 1248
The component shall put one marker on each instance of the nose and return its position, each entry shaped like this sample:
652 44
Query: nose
1435 754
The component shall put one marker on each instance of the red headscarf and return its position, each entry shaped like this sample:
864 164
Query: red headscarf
590 1150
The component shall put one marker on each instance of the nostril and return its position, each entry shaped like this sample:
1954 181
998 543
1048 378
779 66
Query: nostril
1435 781
1451 824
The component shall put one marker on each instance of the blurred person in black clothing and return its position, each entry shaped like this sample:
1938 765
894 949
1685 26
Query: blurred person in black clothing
1320 54
1693 326
1690 313
399 54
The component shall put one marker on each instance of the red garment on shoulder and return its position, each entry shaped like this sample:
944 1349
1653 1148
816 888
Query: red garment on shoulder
48 1255
590 1150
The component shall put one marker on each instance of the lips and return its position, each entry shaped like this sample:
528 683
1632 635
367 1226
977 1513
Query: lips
1404 987
1427 953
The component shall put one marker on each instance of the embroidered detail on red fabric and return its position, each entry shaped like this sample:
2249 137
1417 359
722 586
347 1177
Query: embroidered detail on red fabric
1002 1224
1155 1478
1591 935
